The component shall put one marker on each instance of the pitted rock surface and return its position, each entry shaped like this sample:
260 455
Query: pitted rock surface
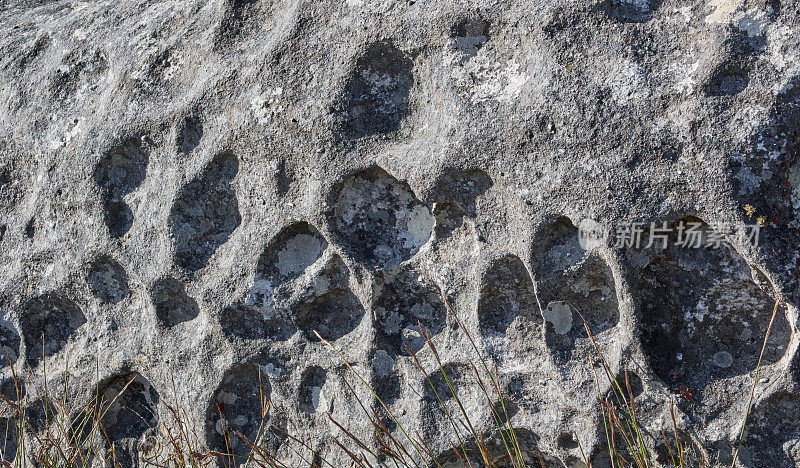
190 189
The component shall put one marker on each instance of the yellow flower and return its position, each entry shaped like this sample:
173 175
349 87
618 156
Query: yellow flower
749 209
762 220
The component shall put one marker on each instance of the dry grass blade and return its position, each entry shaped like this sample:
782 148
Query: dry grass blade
755 382
441 402
520 461
375 395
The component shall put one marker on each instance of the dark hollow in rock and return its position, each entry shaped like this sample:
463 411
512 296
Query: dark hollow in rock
494 443
773 436
794 372
39 413
436 393
205 213
475 458
469 35
118 218
690 294
521 387
276 434
380 219
567 441
401 306
283 178
250 323
630 384
311 389
449 217
505 410
459 375
555 250
121 170
277 364
159 65
375 99
336 273
2 231
727 80
731 73
625 449
237 405
462 187
14 176
239 17
8 440
30 228
507 296
494 446
107 280
775 6
5 177
602 458
623 393
129 403
586 292
77 67
50 315
666 452
333 315
287 256
631 11
38 48
385 379
381 414
171 302
12 389
9 345
189 134
130 413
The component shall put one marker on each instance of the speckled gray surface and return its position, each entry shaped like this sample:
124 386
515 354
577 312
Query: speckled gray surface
188 189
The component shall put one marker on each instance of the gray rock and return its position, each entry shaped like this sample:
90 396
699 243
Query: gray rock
188 190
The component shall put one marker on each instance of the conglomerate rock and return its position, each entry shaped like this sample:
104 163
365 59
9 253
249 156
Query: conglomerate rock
190 189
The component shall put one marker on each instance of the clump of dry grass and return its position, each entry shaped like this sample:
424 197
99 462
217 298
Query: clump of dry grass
400 448
71 434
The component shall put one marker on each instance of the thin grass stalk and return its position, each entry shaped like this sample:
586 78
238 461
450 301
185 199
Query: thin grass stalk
580 448
512 434
442 405
755 382
495 415
374 421
455 396
183 433
675 431
387 433
356 459
669 449
639 450
400 426
493 377
634 421
352 437
603 412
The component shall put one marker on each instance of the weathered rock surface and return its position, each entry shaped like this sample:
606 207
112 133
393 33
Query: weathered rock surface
189 189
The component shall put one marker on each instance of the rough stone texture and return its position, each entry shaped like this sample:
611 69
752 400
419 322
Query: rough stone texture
189 189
